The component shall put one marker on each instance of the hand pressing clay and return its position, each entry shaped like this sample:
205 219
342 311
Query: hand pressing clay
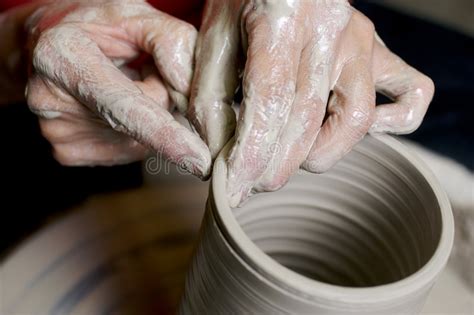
310 73
92 108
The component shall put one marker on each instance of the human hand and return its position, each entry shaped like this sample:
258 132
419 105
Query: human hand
297 53
92 107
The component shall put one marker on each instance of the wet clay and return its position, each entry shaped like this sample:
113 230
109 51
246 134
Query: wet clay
368 237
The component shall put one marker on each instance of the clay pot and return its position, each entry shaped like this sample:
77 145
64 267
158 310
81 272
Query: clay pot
368 237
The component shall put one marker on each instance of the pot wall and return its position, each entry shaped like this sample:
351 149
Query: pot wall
368 237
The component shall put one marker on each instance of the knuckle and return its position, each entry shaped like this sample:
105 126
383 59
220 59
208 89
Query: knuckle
364 22
415 112
42 53
65 156
184 31
62 157
186 28
369 26
362 119
49 131
33 95
46 42
275 102
56 43
427 85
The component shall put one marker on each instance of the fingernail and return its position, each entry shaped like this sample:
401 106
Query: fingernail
196 166
203 168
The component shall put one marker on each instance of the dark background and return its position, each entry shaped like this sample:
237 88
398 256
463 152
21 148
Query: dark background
448 58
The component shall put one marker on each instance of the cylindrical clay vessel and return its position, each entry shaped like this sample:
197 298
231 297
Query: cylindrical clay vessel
368 237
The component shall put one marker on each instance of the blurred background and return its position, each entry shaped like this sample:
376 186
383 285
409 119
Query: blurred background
434 36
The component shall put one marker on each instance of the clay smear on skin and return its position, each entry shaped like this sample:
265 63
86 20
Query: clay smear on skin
112 94
280 16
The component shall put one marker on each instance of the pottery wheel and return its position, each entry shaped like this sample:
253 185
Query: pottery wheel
128 253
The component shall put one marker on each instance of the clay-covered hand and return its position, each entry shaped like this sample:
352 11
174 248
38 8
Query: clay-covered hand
311 72
93 108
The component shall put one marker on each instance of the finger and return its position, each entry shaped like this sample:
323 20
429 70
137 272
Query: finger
150 83
269 90
215 78
78 138
350 111
88 153
411 91
79 142
298 135
47 100
301 130
93 80
171 42
76 135
316 77
152 86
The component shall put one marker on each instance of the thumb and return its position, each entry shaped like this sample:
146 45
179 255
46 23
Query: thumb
171 42
215 78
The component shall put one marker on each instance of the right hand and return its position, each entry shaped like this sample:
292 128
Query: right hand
89 109
311 72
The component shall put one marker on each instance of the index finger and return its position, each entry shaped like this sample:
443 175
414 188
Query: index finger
215 77
70 59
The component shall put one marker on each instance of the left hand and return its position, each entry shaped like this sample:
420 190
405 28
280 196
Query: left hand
93 108
297 53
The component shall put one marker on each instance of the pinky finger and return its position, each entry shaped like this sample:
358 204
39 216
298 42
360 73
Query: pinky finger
410 90
85 148
88 154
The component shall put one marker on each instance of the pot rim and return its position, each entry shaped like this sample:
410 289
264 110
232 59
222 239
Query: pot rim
300 285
